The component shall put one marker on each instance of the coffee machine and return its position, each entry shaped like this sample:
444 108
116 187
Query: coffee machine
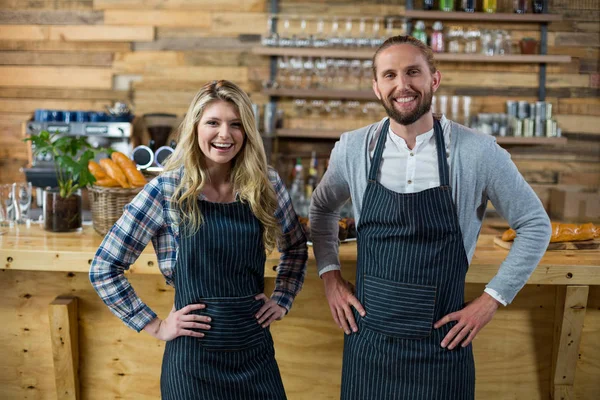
101 130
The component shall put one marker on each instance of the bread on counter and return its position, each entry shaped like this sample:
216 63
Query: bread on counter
564 233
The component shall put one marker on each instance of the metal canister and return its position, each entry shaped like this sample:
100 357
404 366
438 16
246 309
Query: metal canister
523 109
551 128
517 127
540 128
511 108
532 111
528 124
548 110
540 109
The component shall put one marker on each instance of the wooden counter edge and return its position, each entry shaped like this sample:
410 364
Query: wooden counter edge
76 261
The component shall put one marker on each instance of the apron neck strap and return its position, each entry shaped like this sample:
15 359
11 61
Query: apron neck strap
376 160
441 153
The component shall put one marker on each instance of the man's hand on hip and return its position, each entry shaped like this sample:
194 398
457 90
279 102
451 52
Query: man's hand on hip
470 320
340 295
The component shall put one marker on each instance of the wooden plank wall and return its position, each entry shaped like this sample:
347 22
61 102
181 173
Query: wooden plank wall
84 54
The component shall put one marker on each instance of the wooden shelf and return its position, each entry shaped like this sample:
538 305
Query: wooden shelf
482 16
533 141
322 94
510 58
309 133
356 54
361 54
333 134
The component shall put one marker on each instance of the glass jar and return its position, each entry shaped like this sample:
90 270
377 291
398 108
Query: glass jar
437 37
61 214
472 36
487 43
490 6
455 39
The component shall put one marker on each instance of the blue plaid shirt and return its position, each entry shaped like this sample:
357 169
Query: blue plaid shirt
152 216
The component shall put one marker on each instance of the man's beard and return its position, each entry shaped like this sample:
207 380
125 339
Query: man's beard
411 117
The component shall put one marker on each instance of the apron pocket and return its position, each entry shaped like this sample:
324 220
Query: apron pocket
400 310
233 326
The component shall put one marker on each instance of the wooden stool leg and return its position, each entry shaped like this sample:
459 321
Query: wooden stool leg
571 303
65 346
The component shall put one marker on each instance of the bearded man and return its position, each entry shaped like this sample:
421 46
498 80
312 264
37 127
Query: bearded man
419 187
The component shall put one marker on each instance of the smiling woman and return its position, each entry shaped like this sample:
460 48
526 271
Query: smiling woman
212 215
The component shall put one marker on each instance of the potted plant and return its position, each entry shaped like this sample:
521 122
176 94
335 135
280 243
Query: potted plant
71 154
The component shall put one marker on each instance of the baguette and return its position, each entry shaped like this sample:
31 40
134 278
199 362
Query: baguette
134 177
107 182
96 170
114 172
564 233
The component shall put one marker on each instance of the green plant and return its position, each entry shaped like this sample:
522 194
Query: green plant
71 156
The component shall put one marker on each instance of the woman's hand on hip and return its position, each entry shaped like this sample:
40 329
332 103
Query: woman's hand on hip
179 323
269 312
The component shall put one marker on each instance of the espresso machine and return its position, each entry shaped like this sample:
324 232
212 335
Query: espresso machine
111 129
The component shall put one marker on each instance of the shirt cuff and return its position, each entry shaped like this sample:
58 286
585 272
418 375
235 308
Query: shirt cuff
331 267
141 318
497 296
283 299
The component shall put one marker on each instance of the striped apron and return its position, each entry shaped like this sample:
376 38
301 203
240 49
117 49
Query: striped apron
411 269
222 266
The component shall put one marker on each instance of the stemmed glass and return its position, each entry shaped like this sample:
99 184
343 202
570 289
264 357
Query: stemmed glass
376 33
335 40
349 39
285 38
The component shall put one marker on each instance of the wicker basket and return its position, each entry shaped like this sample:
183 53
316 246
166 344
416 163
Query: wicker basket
107 205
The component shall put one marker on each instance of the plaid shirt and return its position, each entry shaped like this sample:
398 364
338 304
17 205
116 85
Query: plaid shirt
152 216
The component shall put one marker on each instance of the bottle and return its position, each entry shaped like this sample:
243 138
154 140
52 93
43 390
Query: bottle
538 6
313 179
489 6
447 5
270 37
419 32
437 38
297 189
427 4
468 5
520 6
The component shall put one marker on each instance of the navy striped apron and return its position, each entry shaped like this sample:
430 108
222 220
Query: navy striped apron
411 271
222 266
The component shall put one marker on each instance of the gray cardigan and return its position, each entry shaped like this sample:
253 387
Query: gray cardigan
479 170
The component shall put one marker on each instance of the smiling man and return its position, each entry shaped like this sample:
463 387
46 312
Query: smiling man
419 188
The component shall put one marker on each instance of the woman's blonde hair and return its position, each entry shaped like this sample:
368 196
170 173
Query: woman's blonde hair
249 171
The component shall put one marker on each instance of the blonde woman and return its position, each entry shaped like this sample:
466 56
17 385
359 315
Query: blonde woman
211 215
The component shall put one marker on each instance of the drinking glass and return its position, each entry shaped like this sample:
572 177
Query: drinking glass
22 196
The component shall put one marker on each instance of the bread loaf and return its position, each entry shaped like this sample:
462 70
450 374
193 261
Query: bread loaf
134 177
96 170
115 172
564 233
107 182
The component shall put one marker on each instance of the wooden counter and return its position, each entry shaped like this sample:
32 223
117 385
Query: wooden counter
546 341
